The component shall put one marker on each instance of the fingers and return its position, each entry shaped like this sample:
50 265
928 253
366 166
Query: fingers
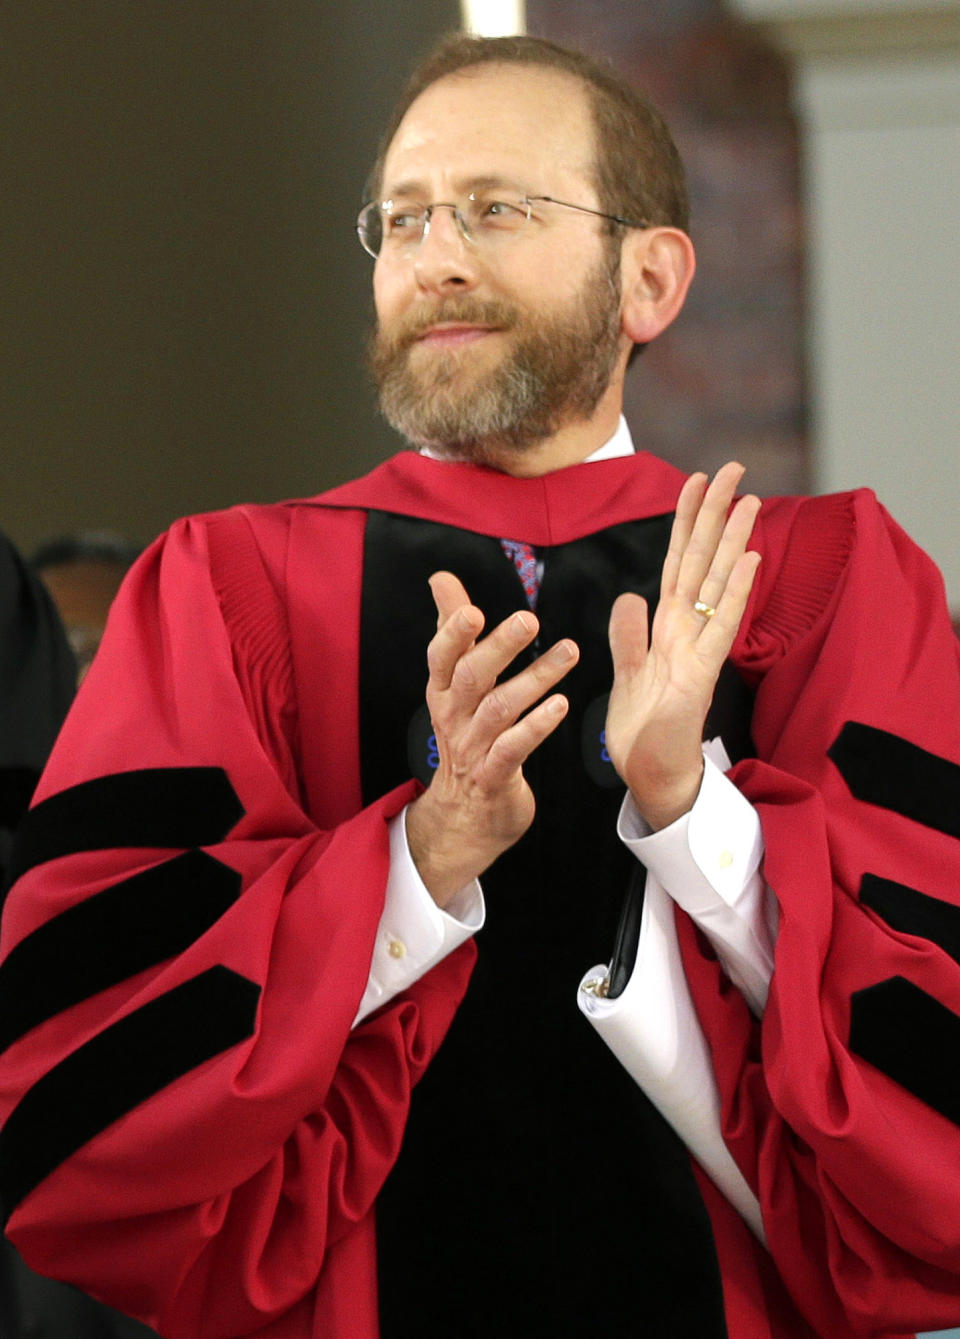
464 694
487 730
688 508
731 547
511 748
701 520
708 538
478 669
720 631
504 703
478 802
454 655
459 624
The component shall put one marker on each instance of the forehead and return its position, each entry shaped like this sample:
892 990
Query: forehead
520 124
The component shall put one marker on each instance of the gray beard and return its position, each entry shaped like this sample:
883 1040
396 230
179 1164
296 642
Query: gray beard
556 372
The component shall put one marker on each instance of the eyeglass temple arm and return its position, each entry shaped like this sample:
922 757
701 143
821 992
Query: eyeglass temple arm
599 213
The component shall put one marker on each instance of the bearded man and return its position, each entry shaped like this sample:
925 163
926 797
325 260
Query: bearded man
284 1087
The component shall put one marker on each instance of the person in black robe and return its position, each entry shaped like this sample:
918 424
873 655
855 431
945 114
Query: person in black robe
37 679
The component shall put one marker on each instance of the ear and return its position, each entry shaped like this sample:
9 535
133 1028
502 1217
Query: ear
657 266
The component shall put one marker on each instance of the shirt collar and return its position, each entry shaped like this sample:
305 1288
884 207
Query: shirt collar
620 444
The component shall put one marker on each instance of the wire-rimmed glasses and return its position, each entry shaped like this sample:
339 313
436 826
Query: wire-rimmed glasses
399 226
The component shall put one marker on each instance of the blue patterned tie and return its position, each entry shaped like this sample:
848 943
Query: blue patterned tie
524 560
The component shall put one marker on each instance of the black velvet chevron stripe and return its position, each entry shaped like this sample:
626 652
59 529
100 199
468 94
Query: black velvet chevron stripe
883 769
128 927
912 1038
116 1071
913 913
174 807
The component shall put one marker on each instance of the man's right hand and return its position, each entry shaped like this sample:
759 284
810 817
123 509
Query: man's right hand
479 803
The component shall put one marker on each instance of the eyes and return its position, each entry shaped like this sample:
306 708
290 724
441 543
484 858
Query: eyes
505 212
478 216
409 218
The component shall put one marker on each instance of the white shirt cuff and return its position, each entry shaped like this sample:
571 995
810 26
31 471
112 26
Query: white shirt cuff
414 933
709 862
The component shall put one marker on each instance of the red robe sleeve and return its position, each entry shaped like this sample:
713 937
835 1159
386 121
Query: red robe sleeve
842 1107
211 1112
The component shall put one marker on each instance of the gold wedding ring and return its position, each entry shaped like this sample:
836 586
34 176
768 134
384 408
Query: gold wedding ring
705 610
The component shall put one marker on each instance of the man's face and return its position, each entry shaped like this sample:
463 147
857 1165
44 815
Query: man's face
482 349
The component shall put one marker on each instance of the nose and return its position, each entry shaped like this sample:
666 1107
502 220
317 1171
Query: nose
444 260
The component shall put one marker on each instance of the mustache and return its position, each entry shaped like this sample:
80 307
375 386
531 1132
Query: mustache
407 330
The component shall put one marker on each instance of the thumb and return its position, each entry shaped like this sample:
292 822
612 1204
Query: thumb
628 634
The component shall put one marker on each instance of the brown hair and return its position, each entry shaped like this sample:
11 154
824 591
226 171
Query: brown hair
637 173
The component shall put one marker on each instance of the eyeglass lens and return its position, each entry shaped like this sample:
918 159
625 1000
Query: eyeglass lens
402 226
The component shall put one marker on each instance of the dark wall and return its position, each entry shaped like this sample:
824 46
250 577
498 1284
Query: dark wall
184 300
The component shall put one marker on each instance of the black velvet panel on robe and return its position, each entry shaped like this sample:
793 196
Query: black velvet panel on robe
884 769
152 806
906 1033
116 933
119 1068
538 1191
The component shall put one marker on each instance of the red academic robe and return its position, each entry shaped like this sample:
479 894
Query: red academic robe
194 1133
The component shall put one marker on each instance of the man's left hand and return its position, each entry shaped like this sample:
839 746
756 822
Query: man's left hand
661 694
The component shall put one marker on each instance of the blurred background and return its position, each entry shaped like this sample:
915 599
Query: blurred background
185 302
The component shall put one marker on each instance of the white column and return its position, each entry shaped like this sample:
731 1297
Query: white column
878 94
